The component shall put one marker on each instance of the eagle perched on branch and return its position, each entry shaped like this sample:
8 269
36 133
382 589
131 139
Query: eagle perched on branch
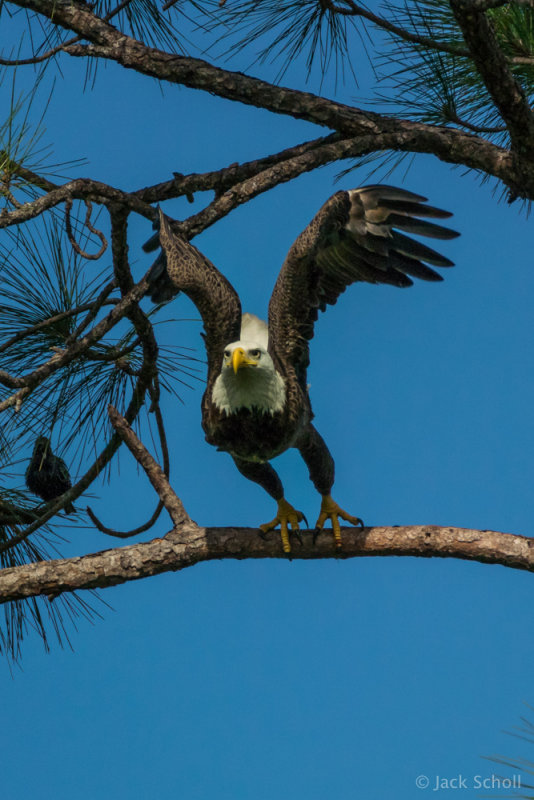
256 402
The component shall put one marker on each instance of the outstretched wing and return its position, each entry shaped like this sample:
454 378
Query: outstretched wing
356 236
191 273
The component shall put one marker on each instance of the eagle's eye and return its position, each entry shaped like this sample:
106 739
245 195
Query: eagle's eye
254 353
227 354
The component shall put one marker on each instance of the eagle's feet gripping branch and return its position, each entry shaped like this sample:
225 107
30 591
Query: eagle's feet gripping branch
285 514
331 510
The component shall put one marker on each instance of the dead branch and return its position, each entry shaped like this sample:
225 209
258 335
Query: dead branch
125 534
68 227
155 474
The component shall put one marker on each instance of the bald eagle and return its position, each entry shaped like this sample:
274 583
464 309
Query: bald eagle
256 403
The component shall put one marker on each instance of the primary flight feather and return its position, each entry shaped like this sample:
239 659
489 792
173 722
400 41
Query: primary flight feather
256 403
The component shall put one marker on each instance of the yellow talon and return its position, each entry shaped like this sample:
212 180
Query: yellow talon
331 510
286 513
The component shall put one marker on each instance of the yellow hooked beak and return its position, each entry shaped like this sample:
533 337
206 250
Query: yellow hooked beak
239 359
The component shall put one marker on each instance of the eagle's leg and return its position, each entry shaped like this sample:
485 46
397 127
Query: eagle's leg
286 516
331 510
320 463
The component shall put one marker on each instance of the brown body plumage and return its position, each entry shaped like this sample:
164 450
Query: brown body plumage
354 237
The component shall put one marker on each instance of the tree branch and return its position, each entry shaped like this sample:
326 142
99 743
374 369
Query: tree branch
18 62
191 544
146 375
166 470
223 179
29 381
355 10
78 189
72 312
332 151
70 235
155 474
450 145
10 167
491 63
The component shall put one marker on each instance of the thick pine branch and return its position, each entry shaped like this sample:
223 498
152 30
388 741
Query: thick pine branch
506 92
452 146
190 544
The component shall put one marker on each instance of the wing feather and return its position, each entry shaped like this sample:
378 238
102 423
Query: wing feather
190 272
420 227
359 235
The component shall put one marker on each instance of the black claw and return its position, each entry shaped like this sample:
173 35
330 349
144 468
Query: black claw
299 537
361 522
315 534
305 520
263 534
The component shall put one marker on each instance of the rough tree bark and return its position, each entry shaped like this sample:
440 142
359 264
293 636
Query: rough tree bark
190 544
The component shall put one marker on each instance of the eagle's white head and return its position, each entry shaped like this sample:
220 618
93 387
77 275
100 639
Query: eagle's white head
248 377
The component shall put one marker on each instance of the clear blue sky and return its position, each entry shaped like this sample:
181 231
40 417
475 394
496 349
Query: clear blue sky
303 680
